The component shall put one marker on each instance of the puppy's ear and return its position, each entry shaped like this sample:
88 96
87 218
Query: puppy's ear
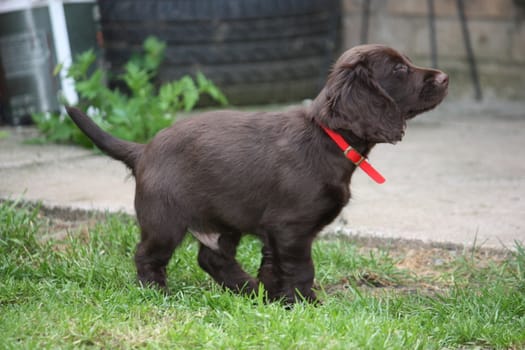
353 100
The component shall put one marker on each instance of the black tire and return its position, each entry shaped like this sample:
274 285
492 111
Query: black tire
254 50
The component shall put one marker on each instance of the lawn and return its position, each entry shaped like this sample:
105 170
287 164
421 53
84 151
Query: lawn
78 290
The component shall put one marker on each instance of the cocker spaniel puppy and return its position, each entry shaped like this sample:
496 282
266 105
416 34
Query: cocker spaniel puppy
281 176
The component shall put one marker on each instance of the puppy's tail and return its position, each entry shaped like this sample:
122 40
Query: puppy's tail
125 151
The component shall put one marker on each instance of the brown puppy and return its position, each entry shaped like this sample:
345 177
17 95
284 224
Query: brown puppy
276 175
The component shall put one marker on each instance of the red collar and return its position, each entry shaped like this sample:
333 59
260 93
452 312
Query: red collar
354 156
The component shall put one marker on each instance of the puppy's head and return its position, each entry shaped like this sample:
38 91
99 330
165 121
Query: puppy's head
373 89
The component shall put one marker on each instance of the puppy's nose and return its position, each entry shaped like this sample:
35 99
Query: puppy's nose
441 78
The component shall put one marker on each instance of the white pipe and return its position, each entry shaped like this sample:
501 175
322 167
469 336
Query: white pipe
17 5
62 48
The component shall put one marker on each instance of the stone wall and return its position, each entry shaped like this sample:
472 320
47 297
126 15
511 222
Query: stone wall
497 32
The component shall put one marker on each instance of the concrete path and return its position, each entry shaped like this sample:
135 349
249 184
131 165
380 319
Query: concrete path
458 176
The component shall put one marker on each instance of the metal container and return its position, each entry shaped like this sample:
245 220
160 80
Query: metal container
35 36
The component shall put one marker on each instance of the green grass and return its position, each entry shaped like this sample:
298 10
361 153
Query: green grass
81 293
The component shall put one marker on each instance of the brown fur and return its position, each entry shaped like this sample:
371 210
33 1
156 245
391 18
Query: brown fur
275 175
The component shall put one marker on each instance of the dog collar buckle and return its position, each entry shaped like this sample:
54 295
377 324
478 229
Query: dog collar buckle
354 156
348 149
351 149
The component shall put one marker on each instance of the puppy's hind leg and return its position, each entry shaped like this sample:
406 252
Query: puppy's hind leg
160 235
218 260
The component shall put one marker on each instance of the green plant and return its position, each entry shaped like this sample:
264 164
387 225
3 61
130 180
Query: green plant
140 112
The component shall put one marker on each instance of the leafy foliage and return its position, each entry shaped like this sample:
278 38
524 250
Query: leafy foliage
136 115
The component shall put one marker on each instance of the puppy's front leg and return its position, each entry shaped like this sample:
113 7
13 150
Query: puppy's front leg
293 270
267 275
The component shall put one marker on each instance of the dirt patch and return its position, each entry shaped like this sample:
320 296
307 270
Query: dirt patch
429 259
422 268
57 223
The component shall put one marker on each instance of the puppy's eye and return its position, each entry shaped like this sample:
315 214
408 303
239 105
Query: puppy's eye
400 68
